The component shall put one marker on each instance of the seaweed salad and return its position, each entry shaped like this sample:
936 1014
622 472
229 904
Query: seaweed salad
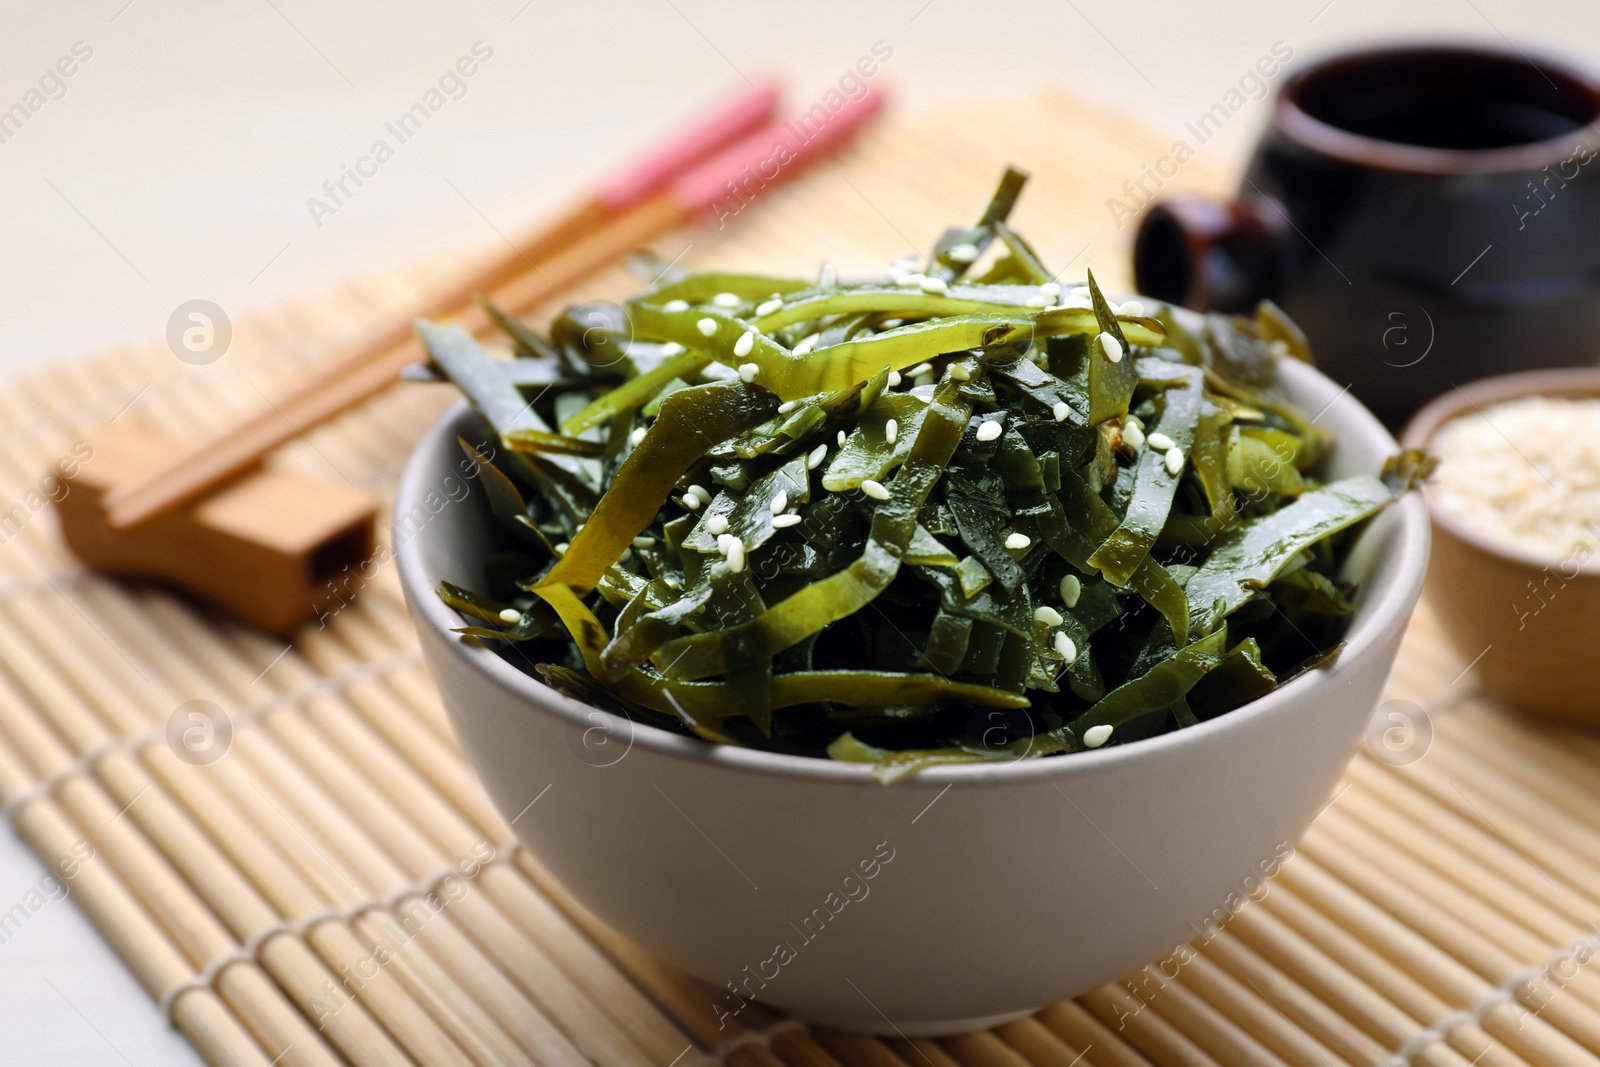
963 514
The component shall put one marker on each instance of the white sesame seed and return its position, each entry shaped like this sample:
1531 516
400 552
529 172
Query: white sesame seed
889 324
510 616
726 300
1111 347
934 285
673 306
637 435
701 492
1065 648
1095 736
671 348
964 252
1039 301
989 429
894 379
723 540
672 583
716 524
691 502
707 327
1076 303
561 548
920 368
1048 615
775 304
1061 410
891 430
780 502
805 345
1133 437
1174 461
745 343
1133 420
840 438
1018 541
874 489
748 371
787 406
1132 307
1050 289
923 379
780 522
896 272
1082 292
909 281
1160 441
1279 348
735 555
828 278
960 373
644 541
1071 590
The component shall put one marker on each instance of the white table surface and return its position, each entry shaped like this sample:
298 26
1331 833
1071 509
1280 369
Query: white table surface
178 163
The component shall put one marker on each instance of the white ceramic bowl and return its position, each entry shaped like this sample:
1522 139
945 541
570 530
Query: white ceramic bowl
994 890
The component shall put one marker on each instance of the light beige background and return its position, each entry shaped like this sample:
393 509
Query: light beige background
178 163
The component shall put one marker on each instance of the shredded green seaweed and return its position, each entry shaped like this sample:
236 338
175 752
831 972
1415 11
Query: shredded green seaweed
963 514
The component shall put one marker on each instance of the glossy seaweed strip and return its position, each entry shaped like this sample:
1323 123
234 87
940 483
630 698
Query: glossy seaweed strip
1153 484
1248 556
483 380
946 267
1152 693
1111 380
690 424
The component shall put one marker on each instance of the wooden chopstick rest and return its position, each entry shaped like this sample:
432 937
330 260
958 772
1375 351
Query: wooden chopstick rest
269 548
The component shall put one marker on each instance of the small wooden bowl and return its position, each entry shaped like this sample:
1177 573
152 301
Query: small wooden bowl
1529 625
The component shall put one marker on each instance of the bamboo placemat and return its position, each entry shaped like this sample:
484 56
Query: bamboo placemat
1440 912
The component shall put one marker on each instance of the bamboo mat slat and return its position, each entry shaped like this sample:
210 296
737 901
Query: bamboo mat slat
304 900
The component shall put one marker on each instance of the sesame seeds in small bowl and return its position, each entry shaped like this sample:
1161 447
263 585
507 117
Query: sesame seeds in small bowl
1515 504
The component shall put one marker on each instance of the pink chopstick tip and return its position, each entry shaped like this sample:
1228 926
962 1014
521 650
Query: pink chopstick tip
717 127
732 178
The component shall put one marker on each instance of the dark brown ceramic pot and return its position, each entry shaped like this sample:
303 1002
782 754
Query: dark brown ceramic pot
1428 215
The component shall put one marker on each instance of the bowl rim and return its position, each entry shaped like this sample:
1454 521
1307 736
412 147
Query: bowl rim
1472 398
1410 543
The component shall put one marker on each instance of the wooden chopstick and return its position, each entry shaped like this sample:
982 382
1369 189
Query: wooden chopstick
372 362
